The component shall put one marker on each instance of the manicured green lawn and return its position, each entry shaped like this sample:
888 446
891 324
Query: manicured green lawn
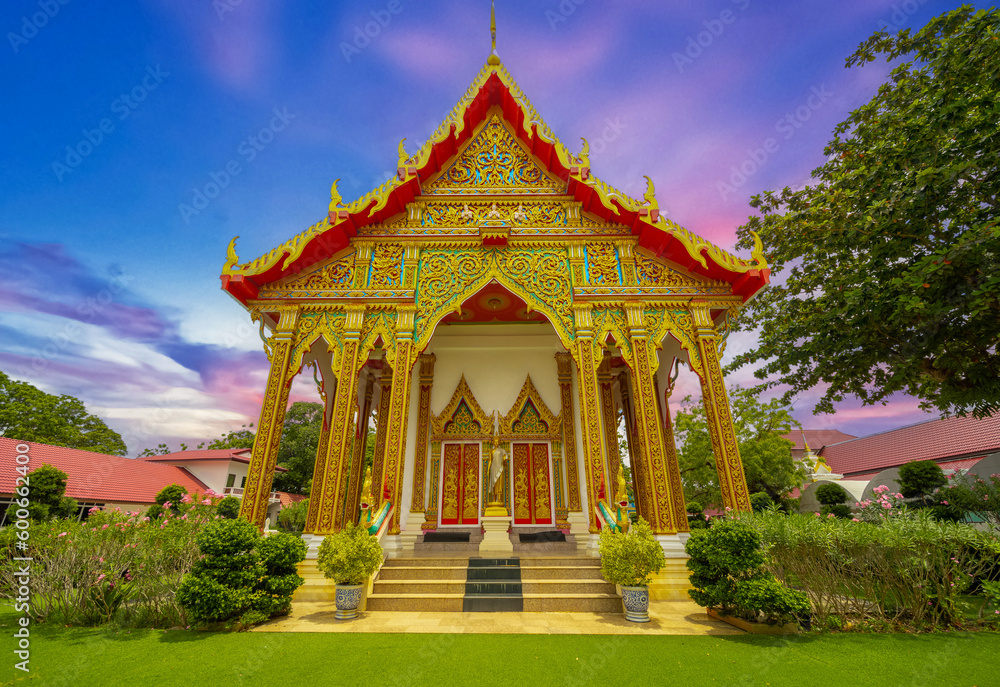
105 658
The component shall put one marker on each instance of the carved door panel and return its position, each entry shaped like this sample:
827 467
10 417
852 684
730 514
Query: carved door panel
532 503
460 485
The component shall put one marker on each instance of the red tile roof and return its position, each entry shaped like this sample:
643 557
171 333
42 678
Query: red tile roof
288 499
239 455
97 476
817 438
938 440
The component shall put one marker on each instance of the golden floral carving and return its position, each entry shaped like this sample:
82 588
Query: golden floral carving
496 161
602 264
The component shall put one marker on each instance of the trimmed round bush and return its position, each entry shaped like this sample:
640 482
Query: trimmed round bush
830 494
229 508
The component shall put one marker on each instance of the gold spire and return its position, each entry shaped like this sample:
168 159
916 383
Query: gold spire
494 59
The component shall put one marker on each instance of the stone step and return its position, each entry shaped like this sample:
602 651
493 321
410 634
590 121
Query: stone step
545 547
550 587
561 572
448 561
497 603
426 572
441 603
572 603
433 587
579 561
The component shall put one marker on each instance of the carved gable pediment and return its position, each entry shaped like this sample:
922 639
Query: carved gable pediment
463 417
494 161
529 416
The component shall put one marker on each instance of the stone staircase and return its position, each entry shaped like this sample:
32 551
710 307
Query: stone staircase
561 584
547 584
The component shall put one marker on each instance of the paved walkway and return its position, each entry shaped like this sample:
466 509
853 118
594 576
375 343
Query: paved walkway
667 618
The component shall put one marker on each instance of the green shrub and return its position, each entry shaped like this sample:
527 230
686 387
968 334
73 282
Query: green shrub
920 478
154 511
631 558
909 569
114 566
830 494
229 508
46 498
838 510
766 596
293 518
174 495
760 501
241 571
349 556
727 553
251 618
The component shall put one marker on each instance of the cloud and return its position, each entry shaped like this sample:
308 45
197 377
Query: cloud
69 330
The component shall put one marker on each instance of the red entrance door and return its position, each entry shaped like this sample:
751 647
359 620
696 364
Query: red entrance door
460 490
532 505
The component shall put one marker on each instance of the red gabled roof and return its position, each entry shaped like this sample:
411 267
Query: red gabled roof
238 455
938 440
96 476
817 438
288 499
493 88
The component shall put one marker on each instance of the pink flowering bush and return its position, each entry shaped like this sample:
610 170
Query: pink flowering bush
975 495
115 566
883 506
907 570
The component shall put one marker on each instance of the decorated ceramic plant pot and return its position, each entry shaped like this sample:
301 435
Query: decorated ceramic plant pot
636 600
348 598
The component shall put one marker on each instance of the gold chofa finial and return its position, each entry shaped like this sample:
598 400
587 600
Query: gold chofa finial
494 59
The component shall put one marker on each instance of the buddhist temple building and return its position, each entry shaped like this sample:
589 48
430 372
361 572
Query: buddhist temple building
494 298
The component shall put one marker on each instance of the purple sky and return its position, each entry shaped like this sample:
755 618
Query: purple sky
118 115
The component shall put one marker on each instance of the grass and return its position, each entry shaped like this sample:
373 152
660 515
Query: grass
110 658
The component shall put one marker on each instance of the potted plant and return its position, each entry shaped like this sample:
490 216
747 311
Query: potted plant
630 559
349 558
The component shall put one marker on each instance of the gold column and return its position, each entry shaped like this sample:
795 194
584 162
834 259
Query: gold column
319 468
399 405
649 425
433 498
329 492
340 516
569 430
353 502
381 429
588 357
609 418
260 475
423 432
677 504
732 480
636 459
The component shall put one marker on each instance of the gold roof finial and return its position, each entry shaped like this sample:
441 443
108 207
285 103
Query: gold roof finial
494 59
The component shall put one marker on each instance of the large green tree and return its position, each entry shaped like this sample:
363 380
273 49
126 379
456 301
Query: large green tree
767 456
299 439
30 414
888 262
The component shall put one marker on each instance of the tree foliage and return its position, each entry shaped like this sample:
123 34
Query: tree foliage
830 494
299 439
47 498
30 414
767 456
890 259
920 478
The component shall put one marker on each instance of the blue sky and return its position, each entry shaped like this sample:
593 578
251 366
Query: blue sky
119 115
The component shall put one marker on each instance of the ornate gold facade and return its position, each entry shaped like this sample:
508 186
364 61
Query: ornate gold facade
493 200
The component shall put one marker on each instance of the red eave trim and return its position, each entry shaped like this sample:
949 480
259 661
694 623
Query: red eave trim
493 93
